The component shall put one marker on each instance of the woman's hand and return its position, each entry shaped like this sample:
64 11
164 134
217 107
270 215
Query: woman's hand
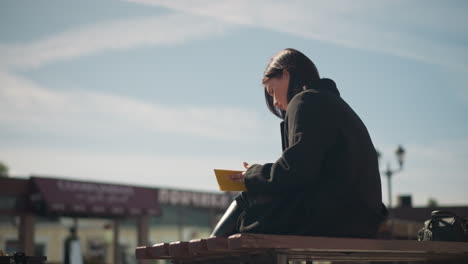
239 177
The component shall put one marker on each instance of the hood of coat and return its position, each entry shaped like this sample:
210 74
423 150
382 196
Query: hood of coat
324 84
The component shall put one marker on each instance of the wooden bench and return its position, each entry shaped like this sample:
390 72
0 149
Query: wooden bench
258 248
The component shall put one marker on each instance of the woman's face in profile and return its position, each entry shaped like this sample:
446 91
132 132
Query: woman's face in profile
277 87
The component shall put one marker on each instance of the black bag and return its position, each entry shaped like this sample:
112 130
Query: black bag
444 226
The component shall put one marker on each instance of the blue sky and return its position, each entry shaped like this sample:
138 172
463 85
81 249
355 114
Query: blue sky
159 93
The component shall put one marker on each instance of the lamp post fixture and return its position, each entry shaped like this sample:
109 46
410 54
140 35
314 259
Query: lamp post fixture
400 155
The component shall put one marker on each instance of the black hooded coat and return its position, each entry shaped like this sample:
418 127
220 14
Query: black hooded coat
326 182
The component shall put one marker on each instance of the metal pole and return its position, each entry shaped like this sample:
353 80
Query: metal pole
26 233
143 230
179 222
389 174
389 190
115 243
143 233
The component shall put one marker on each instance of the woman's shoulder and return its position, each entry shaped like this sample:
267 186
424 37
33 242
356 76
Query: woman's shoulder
317 94
308 98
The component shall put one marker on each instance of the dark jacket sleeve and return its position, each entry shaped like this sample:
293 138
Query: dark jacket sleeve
311 131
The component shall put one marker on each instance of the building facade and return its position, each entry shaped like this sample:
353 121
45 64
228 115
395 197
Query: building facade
111 220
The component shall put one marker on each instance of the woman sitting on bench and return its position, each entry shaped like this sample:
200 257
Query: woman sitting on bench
326 182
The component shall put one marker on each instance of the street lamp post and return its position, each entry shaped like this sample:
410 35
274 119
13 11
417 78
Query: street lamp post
400 154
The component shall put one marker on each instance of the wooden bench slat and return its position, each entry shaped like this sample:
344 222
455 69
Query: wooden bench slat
159 251
217 243
263 248
179 249
197 247
140 253
239 241
367 256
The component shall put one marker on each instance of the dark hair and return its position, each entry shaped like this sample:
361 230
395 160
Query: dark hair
301 72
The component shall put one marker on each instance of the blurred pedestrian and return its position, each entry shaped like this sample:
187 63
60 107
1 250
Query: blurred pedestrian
72 248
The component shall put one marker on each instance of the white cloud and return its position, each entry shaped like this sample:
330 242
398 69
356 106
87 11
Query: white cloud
26 106
114 35
361 24
191 172
136 169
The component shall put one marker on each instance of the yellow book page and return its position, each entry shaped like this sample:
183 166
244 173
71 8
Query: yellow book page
225 184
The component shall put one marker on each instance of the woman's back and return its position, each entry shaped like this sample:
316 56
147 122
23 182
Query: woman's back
334 188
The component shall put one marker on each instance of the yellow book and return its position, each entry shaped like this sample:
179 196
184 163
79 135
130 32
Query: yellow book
225 184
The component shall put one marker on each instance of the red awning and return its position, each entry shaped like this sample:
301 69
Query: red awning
67 197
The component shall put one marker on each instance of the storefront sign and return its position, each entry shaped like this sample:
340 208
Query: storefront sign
77 197
194 199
